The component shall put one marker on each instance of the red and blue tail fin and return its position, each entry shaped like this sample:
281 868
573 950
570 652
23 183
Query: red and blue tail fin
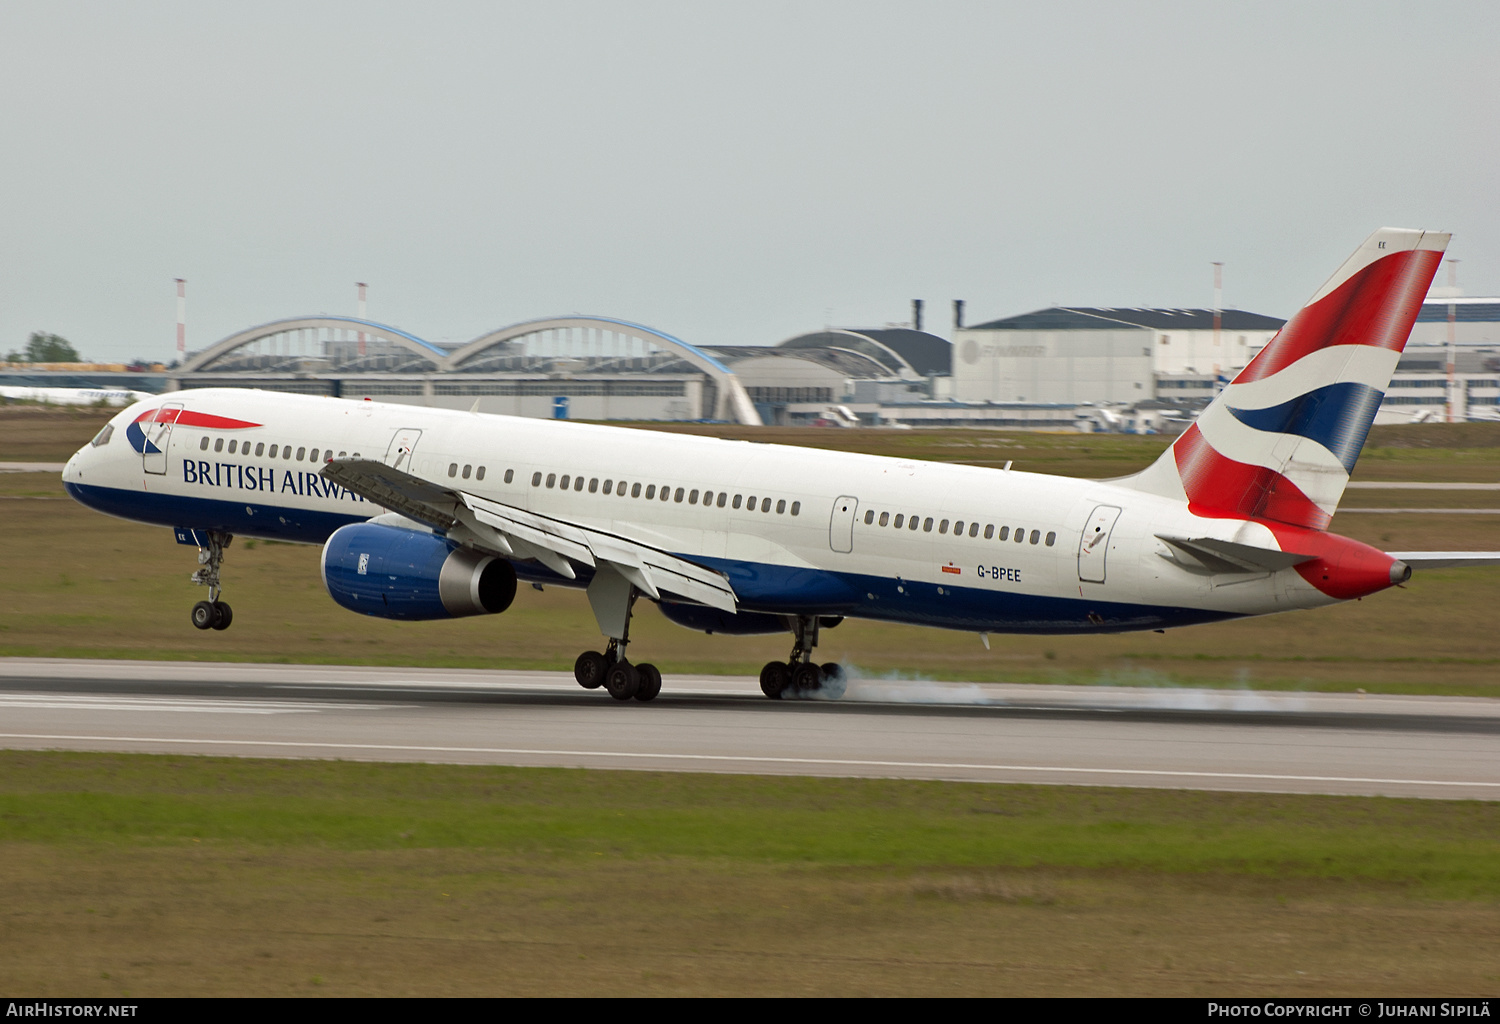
1280 441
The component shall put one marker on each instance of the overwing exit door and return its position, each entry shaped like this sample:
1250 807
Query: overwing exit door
399 454
1093 546
841 524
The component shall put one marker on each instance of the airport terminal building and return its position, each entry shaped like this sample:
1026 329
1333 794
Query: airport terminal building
1087 368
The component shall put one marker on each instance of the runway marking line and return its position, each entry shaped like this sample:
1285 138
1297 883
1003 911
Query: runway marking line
751 759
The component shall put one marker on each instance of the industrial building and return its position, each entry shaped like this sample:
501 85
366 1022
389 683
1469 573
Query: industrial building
1088 368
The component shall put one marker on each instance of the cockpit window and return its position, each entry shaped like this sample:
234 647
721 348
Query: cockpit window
102 438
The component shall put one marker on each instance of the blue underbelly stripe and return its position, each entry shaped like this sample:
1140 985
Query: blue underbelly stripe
760 586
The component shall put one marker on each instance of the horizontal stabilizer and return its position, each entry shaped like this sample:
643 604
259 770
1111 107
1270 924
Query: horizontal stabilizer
1445 559
1227 556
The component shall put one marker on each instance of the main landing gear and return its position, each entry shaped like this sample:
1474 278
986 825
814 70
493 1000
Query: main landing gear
213 613
612 596
799 674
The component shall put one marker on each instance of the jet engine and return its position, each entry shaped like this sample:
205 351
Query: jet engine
396 573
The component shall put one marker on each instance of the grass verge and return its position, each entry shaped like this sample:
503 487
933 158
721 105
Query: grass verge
164 875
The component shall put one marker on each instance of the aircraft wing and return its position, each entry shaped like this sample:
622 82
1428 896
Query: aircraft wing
1446 559
514 532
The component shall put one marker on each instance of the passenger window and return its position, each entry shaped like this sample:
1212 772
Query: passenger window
1005 533
1051 538
750 503
468 468
536 479
666 491
564 483
218 444
578 483
620 488
453 469
260 449
781 507
510 475
870 517
1036 536
202 445
900 519
312 456
479 473
693 496
796 507
609 487
551 480
958 528
232 446
885 519
973 529
943 526
678 497
722 499
593 485
736 502
300 452
989 531
650 492
765 504
1020 534
272 452
927 526
341 455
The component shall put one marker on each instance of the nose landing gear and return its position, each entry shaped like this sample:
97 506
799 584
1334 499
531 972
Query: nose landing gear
213 613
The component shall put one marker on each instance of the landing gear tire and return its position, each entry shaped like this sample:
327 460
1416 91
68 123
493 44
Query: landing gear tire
831 669
622 681
807 677
774 679
650 685
223 615
590 669
204 615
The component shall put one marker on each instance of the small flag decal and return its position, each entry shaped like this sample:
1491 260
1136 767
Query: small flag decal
955 570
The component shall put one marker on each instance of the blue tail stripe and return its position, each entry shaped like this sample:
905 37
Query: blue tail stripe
1338 417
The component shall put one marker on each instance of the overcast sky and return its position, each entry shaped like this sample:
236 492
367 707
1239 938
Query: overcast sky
733 173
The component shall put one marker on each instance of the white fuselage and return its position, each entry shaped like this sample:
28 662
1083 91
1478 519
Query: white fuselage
822 536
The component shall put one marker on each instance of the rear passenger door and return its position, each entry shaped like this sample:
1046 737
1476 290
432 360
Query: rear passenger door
1093 546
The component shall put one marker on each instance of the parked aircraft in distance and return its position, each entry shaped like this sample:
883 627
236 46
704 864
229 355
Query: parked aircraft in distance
75 396
430 513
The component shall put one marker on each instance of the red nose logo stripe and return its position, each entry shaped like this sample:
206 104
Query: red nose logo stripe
188 418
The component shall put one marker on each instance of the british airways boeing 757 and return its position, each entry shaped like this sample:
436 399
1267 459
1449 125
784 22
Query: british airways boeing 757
431 513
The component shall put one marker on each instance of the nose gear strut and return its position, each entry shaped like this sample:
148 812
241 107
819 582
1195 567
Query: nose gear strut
213 613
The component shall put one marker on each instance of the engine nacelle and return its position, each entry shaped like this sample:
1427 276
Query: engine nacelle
395 573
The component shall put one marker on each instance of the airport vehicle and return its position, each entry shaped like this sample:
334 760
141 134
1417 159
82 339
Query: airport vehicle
429 513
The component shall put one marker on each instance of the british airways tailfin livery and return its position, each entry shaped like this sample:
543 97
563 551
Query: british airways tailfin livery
431 513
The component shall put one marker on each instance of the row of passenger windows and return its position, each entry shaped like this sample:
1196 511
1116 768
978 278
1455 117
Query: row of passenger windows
478 474
283 452
901 520
666 492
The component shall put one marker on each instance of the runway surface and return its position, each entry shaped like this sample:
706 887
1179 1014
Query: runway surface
1439 747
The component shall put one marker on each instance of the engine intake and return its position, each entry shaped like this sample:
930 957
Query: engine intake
395 573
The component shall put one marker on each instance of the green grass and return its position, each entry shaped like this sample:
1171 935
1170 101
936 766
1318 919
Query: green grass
171 875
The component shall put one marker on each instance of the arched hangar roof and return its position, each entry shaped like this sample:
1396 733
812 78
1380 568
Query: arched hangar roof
903 351
425 351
